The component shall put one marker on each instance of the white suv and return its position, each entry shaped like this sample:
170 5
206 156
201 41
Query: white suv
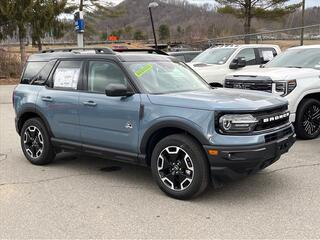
295 75
215 63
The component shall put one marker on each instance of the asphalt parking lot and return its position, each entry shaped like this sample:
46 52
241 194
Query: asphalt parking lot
81 197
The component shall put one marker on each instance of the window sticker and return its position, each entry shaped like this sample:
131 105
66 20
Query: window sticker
267 55
66 77
140 72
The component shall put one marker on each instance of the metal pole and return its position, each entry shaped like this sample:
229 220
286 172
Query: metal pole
80 34
302 22
154 32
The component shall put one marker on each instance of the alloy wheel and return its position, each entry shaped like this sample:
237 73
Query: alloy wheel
311 119
175 168
33 142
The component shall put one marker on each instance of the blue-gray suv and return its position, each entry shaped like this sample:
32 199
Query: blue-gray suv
147 109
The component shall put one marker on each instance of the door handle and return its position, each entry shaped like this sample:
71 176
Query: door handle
47 98
90 103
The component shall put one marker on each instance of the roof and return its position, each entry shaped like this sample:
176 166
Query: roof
306 47
246 45
183 52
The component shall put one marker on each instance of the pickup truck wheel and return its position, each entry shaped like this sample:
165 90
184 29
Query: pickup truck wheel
35 142
308 119
180 167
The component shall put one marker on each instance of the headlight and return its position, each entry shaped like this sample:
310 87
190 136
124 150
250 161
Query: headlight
237 123
284 88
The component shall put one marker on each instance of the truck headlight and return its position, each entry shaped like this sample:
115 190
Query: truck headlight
237 123
284 88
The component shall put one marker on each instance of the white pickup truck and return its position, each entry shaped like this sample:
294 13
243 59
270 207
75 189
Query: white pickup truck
295 75
215 63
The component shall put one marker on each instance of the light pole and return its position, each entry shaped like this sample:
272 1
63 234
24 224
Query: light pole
153 5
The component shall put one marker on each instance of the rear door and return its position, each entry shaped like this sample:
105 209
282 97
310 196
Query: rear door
59 100
108 122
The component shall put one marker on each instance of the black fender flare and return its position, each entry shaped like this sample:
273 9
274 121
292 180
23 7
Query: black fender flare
32 109
181 123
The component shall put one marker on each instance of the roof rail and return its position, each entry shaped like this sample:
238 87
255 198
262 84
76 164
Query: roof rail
97 50
147 50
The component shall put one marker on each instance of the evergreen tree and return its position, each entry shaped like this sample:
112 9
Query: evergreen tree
249 9
164 32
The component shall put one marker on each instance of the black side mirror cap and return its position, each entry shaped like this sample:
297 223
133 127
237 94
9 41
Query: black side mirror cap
118 90
237 63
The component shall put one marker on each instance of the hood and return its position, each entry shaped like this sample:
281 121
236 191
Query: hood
219 99
278 73
204 66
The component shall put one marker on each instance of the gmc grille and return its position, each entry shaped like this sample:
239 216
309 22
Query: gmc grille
258 85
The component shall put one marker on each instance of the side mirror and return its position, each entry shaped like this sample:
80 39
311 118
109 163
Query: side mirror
118 90
237 63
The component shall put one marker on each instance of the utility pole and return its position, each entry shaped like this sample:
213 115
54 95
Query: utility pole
80 32
302 22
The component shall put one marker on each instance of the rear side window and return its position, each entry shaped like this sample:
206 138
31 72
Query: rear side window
180 57
67 75
190 56
267 54
31 70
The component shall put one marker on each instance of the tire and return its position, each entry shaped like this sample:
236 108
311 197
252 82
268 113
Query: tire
308 119
180 167
35 142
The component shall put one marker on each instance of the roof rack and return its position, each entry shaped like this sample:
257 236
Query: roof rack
148 50
97 50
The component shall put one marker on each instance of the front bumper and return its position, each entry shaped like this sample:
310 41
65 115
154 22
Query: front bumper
234 162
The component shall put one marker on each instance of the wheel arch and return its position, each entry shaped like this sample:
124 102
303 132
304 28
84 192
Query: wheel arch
165 128
28 114
312 95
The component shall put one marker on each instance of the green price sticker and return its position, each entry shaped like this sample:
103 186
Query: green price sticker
143 70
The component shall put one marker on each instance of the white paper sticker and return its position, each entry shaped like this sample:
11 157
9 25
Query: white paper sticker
66 77
267 55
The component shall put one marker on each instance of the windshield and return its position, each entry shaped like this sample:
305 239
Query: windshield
297 58
166 77
214 56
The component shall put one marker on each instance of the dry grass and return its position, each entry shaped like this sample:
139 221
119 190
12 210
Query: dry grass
9 66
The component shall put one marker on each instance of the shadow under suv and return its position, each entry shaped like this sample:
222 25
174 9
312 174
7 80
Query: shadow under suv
150 110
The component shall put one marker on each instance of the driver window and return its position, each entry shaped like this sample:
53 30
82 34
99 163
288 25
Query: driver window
248 55
101 74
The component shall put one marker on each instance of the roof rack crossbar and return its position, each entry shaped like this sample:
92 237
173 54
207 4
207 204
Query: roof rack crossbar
97 50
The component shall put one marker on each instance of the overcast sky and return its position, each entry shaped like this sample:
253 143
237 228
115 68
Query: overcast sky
310 3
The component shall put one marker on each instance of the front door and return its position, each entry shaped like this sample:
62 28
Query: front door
108 122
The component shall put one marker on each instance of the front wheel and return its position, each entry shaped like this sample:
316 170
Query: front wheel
308 119
180 167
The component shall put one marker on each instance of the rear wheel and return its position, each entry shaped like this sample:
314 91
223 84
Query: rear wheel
308 119
180 167
35 142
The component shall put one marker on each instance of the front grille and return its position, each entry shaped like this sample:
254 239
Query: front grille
258 85
278 135
276 117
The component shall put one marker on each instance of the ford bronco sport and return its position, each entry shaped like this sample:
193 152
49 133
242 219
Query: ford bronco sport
147 109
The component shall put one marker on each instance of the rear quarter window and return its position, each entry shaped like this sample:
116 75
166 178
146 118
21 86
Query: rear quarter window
31 70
